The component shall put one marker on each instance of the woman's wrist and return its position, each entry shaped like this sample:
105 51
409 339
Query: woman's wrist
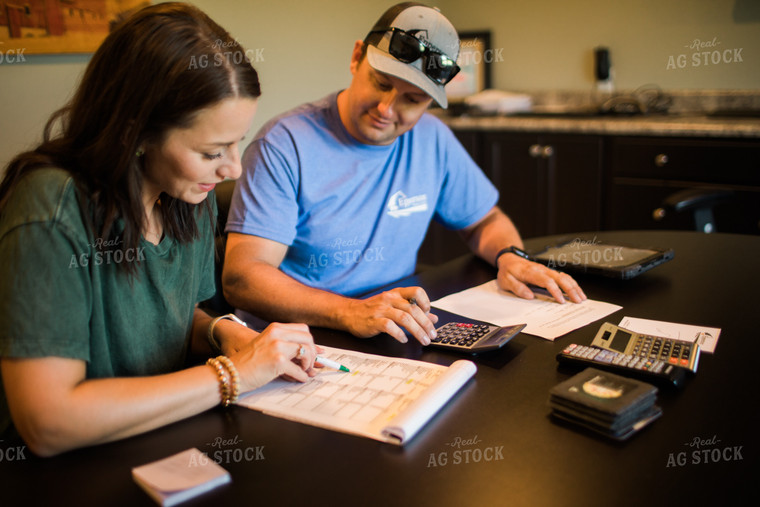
228 377
217 329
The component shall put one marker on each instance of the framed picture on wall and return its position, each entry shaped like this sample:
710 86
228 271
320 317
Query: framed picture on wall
475 63
74 26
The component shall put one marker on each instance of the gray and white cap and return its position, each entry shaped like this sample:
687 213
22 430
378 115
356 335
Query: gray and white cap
424 23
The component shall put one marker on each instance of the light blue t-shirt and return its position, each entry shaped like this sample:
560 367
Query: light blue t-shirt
353 215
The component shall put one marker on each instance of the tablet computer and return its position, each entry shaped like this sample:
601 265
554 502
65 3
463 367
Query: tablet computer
594 257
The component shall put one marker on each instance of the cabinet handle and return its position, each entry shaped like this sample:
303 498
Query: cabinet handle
538 151
660 160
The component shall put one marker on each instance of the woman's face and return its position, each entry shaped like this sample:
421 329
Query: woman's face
191 161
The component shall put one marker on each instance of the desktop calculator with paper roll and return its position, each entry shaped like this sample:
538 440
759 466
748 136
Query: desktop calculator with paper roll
651 358
656 348
474 337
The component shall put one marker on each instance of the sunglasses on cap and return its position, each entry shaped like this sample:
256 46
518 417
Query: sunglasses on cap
406 48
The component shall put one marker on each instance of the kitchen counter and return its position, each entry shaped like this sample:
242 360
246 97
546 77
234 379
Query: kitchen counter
688 125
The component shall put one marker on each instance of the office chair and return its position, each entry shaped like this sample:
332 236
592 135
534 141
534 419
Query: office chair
217 305
699 201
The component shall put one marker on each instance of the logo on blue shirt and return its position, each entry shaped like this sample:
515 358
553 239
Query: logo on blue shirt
399 205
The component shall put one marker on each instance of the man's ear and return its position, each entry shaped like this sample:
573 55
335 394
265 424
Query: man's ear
356 56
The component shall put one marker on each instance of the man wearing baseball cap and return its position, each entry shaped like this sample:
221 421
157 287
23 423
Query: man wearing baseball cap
337 195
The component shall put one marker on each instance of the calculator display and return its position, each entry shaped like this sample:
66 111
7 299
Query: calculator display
620 341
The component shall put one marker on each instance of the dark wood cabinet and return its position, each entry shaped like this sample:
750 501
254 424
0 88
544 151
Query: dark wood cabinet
556 183
548 184
643 172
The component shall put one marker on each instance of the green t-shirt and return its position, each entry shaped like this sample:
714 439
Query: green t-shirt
61 296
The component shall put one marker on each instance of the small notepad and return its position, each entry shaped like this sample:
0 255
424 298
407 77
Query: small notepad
180 477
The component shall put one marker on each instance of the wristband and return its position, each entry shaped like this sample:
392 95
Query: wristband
511 249
215 345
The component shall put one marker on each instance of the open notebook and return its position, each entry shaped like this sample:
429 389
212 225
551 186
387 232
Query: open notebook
384 398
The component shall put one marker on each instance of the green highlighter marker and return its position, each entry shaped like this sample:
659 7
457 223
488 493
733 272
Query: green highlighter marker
331 364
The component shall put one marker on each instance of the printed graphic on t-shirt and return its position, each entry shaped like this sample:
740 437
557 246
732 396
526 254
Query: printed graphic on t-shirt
399 205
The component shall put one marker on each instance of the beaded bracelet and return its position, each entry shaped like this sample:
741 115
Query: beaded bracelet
224 382
235 380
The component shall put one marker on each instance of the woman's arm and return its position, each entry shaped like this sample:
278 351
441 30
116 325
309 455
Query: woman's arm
55 408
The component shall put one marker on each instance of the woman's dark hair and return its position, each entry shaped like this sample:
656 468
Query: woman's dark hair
154 72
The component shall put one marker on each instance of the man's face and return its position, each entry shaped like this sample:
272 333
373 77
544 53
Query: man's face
377 108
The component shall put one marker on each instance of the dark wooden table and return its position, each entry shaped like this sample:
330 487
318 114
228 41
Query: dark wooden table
494 443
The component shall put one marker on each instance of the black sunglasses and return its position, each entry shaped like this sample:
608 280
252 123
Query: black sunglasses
407 48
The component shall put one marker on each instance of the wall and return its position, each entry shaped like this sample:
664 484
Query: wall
304 49
548 44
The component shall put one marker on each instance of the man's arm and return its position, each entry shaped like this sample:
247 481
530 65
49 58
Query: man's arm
252 281
496 231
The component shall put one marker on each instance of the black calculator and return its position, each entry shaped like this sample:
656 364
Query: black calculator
474 337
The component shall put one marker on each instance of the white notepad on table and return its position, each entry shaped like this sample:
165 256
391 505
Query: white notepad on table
180 477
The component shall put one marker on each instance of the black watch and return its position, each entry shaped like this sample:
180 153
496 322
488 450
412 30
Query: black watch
511 249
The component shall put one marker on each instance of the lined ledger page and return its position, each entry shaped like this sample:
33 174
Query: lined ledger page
383 398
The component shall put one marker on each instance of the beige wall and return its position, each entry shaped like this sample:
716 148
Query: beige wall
548 44
304 48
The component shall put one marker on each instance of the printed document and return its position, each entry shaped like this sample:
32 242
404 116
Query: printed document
543 315
385 398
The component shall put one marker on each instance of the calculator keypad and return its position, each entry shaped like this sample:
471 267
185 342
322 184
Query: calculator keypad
461 334
607 356
656 348
467 337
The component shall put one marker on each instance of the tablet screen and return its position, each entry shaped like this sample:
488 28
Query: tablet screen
594 254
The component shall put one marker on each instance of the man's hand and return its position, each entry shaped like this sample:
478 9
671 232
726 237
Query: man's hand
515 272
391 312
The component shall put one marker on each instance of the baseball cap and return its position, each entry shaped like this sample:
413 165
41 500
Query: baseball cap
427 25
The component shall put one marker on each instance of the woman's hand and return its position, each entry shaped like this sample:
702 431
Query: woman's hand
285 350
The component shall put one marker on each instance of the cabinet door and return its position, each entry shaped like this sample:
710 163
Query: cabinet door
521 176
576 183
549 183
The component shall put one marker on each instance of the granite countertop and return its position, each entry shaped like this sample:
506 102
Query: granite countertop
686 113
690 125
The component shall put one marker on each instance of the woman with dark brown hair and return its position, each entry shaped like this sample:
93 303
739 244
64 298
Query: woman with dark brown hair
106 244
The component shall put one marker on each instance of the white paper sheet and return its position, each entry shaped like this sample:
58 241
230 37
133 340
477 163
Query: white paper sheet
705 337
543 315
